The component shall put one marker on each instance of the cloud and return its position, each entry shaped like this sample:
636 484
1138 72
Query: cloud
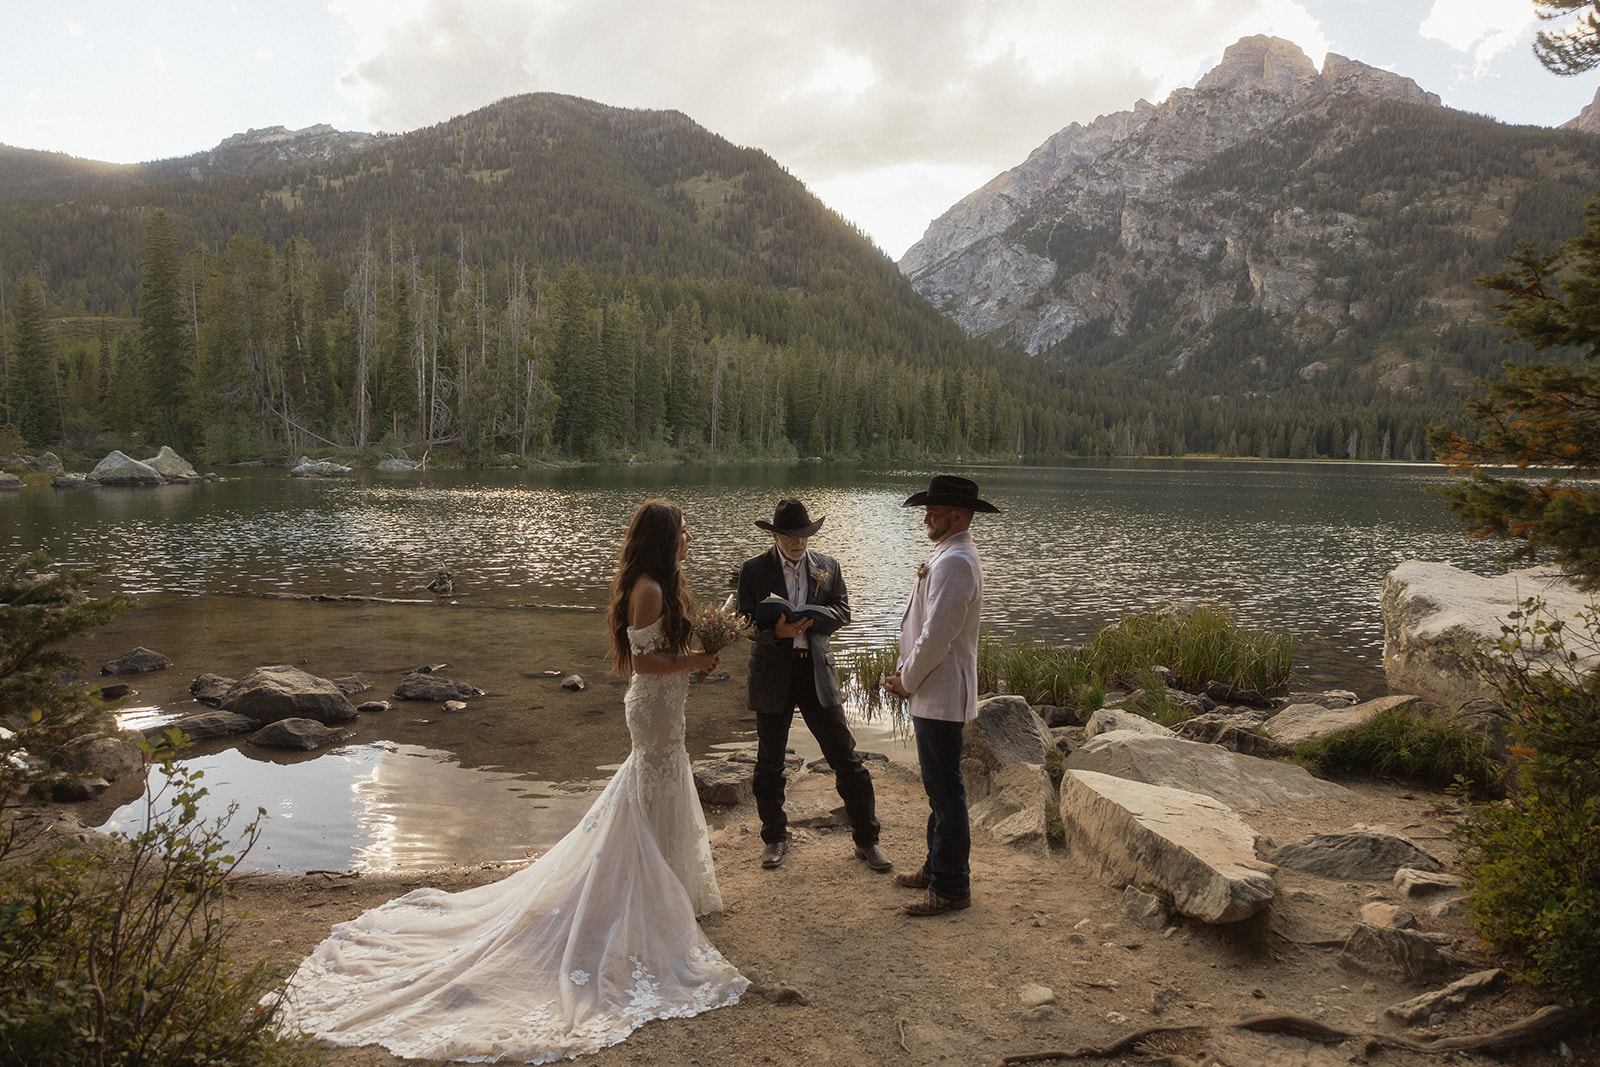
1481 28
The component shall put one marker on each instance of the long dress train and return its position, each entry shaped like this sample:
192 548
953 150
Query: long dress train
566 956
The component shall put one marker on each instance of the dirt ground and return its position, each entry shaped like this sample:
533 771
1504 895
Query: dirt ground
840 977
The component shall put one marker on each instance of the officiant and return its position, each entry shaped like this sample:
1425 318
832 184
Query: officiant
791 666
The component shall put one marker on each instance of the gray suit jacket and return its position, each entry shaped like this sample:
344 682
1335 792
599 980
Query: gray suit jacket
760 577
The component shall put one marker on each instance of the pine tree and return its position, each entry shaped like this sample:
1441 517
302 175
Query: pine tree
1544 415
163 348
33 368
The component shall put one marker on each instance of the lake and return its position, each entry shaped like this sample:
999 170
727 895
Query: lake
1297 546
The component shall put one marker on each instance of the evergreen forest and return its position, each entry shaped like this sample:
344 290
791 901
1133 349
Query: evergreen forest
550 279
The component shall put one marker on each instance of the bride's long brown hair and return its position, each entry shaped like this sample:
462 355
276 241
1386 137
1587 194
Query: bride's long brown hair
650 547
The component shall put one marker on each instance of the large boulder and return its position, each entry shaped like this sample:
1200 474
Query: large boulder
210 689
117 750
1006 731
1436 617
1244 783
1015 810
1309 722
172 467
118 468
9 480
268 694
1190 845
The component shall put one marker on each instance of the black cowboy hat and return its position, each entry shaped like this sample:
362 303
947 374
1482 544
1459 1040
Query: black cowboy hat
791 519
951 491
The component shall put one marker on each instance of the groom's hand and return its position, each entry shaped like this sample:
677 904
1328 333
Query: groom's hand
892 684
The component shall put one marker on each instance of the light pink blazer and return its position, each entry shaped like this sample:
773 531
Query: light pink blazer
939 633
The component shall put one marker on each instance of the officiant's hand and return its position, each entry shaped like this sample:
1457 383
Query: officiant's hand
787 627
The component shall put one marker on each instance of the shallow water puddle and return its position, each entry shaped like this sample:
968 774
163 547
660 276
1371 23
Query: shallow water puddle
377 807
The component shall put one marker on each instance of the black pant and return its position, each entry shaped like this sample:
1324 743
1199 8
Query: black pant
827 725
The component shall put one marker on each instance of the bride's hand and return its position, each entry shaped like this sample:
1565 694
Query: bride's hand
706 661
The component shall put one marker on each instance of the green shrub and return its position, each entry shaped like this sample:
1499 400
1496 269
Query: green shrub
1400 744
1199 644
39 609
115 955
1156 703
1534 858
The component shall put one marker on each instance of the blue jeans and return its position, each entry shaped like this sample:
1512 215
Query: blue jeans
949 836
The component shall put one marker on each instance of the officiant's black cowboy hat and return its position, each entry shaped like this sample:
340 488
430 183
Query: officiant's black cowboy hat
951 491
791 519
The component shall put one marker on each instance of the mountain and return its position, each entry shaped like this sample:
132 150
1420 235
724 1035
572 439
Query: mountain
1270 223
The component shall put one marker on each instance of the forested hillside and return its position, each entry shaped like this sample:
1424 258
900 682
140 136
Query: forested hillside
550 278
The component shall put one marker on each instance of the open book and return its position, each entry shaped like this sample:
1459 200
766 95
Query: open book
772 610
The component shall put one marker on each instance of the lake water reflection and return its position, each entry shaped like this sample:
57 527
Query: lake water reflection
1297 546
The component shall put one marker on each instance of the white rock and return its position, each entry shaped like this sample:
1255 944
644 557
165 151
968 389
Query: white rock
1190 845
1244 783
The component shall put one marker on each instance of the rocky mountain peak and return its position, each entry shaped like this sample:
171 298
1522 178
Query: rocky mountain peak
1263 62
1587 120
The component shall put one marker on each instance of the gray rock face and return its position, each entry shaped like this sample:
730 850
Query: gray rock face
118 468
1108 720
140 660
172 467
1386 950
114 751
719 781
73 481
1190 845
1048 247
1361 854
306 467
1014 809
1224 731
9 481
304 734
209 689
419 686
268 694
1308 722
1243 783
1006 731
205 725
1435 618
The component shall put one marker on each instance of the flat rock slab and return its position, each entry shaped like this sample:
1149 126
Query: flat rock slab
204 726
1110 720
1190 845
1243 783
1370 854
1309 722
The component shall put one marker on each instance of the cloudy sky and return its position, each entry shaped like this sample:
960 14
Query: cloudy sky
889 110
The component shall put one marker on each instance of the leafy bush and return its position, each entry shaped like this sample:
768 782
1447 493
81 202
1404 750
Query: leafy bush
1534 858
1199 643
115 955
1401 744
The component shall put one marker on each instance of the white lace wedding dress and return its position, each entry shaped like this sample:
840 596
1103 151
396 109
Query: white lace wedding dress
566 956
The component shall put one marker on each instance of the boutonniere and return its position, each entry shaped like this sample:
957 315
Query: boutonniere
922 571
819 580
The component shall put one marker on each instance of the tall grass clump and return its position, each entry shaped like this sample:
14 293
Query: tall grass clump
1199 644
1534 858
862 674
1040 672
114 955
1399 743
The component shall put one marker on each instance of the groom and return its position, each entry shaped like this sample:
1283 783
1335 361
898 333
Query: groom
791 666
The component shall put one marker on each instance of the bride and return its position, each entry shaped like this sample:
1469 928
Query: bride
597 936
